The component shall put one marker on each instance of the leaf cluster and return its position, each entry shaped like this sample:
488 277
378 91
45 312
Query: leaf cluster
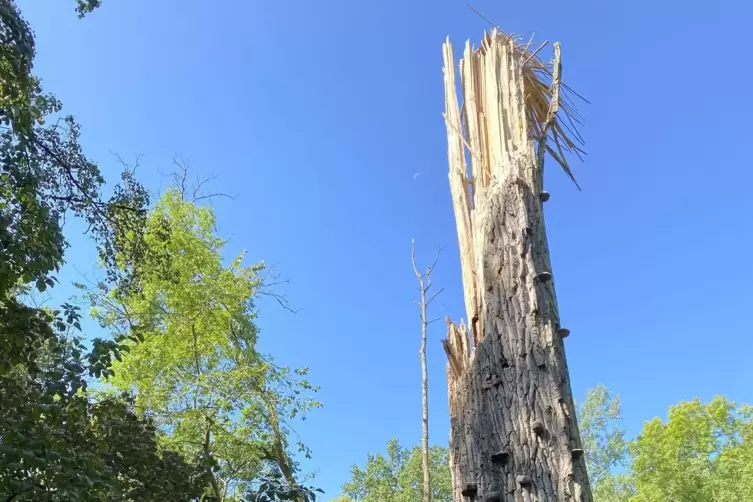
397 477
702 452
56 443
188 325
273 488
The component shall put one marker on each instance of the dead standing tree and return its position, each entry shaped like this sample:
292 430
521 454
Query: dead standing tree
514 435
424 285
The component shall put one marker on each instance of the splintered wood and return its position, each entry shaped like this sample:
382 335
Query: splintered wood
514 435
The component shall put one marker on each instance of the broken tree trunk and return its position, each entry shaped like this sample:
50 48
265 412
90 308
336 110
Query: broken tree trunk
514 435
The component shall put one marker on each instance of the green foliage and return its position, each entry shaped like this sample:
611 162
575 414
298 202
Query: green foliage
702 453
191 356
18 88
59 445
84 7
605 445
602 439
398 477
44 175
275 489
55 443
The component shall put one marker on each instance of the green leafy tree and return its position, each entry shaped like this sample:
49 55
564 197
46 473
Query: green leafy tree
703 452
274 488
44 175
191 356
56 444
606 449
398 477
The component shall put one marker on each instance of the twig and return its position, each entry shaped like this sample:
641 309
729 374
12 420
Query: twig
281 300
209 196
181 180
533 54
483 17
428 302
96 204
201 184
530 41
271 279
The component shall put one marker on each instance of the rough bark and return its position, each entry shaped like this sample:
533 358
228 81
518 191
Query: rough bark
514 435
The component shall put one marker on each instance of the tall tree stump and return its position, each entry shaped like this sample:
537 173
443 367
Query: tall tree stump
514 435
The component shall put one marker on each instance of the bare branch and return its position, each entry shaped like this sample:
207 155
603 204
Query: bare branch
413 261
200 184
428 302
209 196
281 299
534 53
434 264
97 205
530 41
277 283
269 279
126 165
484 17
180 178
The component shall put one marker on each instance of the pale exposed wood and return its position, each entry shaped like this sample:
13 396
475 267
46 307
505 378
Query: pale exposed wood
554 106
459 183
513 431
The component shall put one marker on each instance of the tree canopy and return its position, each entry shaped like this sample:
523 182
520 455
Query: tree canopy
59 440
702 452
188 408
57 443
605 446
191 354
397 477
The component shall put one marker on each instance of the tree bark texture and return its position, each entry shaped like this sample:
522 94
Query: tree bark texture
424 405
514 435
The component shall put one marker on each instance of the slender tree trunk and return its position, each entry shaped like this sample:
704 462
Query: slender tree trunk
279 455
424 282
207 453
424 406
514 435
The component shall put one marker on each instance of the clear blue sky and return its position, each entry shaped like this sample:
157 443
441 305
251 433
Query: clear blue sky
318 114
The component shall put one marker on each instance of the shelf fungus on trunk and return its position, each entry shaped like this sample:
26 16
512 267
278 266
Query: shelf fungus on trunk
513 433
